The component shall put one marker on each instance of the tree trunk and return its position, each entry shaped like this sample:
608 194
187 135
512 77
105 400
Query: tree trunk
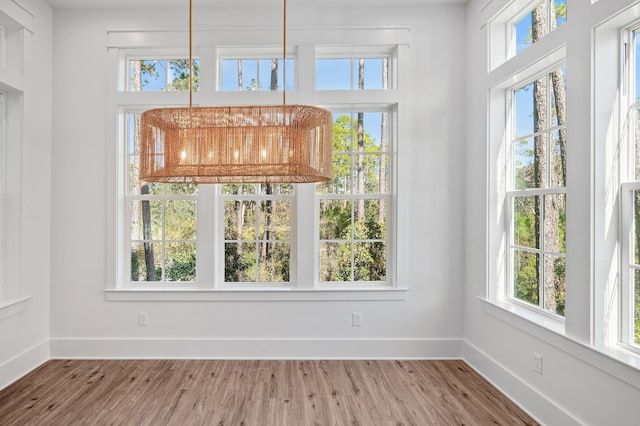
547 208
146 230
360 166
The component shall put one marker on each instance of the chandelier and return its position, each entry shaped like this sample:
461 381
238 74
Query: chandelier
236 144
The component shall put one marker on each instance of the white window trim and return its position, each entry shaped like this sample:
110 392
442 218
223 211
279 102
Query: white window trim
510 194
628 106
612 334
505 74
305 289
15 21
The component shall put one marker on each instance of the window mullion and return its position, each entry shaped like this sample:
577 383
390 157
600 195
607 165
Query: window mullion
304 242
207 245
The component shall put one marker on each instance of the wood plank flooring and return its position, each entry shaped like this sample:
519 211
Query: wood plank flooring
255 392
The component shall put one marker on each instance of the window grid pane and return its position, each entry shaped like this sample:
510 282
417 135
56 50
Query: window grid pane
539 21
257 233
352 73
162 222
153 75
353 206
538 168
251 75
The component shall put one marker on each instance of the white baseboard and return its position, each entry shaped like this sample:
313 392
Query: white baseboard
257 348
546 411
22 364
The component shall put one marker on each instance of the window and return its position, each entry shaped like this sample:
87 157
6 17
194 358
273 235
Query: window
630 193
537 192
217 238
545 17
352 73
528 157
521 24
161 74
257 233
355 204
256 74
162 222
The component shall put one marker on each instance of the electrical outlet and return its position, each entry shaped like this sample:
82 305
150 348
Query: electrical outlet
356 319
143 318
537 363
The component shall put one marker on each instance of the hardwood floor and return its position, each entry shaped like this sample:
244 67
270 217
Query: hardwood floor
218 392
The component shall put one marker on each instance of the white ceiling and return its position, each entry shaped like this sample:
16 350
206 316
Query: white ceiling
116 4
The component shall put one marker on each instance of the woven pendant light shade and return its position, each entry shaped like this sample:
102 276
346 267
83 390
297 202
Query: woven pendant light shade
244 144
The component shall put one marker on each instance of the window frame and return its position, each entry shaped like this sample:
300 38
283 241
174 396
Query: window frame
304 290
506 73
502 34
629 108
388 239
512 193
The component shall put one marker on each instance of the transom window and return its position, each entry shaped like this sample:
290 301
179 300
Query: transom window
161 74
539 21
256 74
352 73
520 24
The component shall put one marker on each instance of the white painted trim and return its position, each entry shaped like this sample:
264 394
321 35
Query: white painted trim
20 365
617 362
252 294
516 389
18 13
258 36
256 348
11 307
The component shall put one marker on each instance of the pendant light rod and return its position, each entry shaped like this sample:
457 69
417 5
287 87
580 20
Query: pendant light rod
190 53
284 53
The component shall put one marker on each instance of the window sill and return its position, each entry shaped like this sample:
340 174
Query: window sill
252 295
505 311
10 307
618 362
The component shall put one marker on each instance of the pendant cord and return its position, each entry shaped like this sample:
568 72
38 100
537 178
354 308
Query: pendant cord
190 53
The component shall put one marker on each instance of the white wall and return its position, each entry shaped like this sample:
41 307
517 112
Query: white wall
579 385
428 323
24 327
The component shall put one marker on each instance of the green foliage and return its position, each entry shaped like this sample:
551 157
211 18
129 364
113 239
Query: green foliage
183 265
360 251
352 249
525 274
345 150
561 9
182 70
135 266
369 257
257 234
